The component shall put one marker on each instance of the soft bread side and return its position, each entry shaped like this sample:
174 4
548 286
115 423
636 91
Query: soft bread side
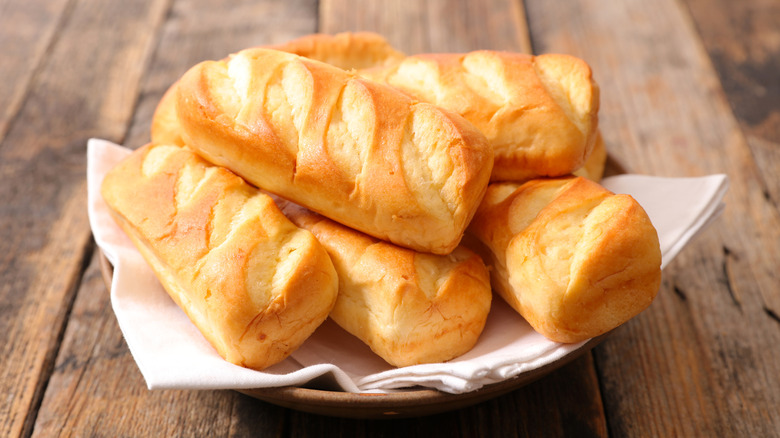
574 259
165 127
355 151
539 113
347 51
408 307
596 164
254 284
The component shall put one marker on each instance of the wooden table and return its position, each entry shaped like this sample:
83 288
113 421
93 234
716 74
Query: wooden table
688 88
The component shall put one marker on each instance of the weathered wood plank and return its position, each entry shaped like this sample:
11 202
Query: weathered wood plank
434 25
24 44
742 41
95 388
59 411
703 359
201 30
76 93
519 414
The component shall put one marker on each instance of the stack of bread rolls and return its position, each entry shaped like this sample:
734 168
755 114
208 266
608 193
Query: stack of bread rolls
333 176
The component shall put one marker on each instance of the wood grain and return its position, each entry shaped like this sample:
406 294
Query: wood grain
742 40
201 30
700 361
24 45
433 25
46 237
97 390
516 414
689 87
68 403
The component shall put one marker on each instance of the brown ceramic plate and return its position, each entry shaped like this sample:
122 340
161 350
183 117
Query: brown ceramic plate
414 402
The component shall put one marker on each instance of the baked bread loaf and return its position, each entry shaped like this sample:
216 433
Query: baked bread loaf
540 113
254 284
408 307
377 60
347 50
361 153
574 259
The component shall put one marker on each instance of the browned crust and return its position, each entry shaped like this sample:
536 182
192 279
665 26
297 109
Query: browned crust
408 307
412 154
539 113
574 259
255 285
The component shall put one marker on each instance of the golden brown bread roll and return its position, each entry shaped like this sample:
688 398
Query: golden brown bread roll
409 307
347 50
562 76
540 113
367 51
574 259
165 127
355 151
595 165
253 283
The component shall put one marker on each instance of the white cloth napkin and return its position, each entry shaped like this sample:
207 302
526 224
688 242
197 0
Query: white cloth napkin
171 352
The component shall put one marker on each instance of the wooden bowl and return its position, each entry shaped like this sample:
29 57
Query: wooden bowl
413 402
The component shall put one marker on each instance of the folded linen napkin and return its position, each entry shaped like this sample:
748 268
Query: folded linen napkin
171 353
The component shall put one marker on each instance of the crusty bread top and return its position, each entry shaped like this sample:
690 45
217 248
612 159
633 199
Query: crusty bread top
165 124
353 150
347 50
253 283
540 113
409 307
573 258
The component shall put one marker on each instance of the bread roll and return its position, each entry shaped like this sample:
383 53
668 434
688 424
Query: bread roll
355 151
408 307
540 113
253 283
347 50
596 164
165 124
574 259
